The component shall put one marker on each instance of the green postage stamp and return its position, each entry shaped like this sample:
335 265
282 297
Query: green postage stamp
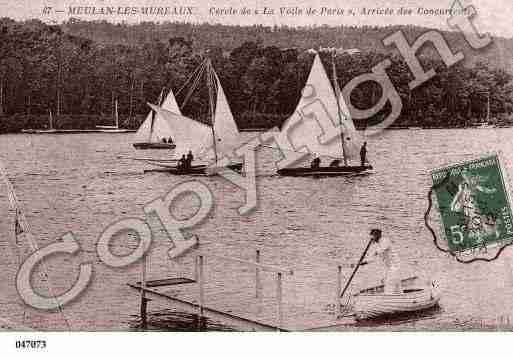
473 202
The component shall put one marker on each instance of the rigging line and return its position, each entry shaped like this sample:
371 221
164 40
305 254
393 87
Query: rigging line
211 89
195 79
435 238
191 76
32 241
194 86
215 92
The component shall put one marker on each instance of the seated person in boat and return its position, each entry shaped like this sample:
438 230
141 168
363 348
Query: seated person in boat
182 162
190 158
383 249
164 140
169 140
335 163
316 162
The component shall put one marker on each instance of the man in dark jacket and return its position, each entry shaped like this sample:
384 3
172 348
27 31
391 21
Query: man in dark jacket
190 158
363 154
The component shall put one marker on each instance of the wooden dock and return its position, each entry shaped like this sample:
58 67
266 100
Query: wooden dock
250 311
229 319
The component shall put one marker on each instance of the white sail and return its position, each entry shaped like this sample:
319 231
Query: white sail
197 137
143 133
161 128
170 103
318 99
190 135
225 128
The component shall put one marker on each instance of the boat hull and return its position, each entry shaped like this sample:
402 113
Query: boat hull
29 130
375 305
324 171
193 170
115 130
154 146
73 131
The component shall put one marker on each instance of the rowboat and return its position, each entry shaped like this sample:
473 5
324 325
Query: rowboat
373 303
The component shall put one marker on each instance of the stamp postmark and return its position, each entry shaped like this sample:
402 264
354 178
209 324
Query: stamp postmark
473 204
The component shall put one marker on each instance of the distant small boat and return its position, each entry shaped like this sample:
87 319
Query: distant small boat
115 128
155 128
30 130
50 128
373 303
484 125
112 129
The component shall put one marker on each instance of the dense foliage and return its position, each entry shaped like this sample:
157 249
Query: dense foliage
78 69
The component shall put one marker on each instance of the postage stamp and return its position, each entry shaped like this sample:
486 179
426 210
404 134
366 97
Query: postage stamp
474 204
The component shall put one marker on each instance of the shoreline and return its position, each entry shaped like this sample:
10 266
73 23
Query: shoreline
85 131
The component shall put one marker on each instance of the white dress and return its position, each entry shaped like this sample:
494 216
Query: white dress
392 281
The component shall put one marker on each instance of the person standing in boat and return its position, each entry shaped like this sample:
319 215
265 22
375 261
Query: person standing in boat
385 251
363 154
190 158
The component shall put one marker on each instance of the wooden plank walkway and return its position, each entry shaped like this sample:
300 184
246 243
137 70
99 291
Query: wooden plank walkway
245 313
225 317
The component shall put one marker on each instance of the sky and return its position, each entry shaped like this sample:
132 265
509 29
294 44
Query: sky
494 17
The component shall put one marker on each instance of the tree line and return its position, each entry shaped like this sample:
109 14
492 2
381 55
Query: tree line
71 71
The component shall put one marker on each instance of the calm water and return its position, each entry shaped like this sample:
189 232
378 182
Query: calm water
77 183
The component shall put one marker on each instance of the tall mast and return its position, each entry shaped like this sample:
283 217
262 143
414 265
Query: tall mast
116 117
50 119
210 85
337 95
488 107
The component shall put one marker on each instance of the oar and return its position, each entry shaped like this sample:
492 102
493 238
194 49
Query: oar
356 268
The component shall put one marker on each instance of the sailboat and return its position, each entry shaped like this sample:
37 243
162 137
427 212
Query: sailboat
115 128
50 128
304 132
155 129
208 143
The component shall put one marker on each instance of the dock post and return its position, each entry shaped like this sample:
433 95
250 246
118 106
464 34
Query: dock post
339 289
279 298
201 284
257 275
144 322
